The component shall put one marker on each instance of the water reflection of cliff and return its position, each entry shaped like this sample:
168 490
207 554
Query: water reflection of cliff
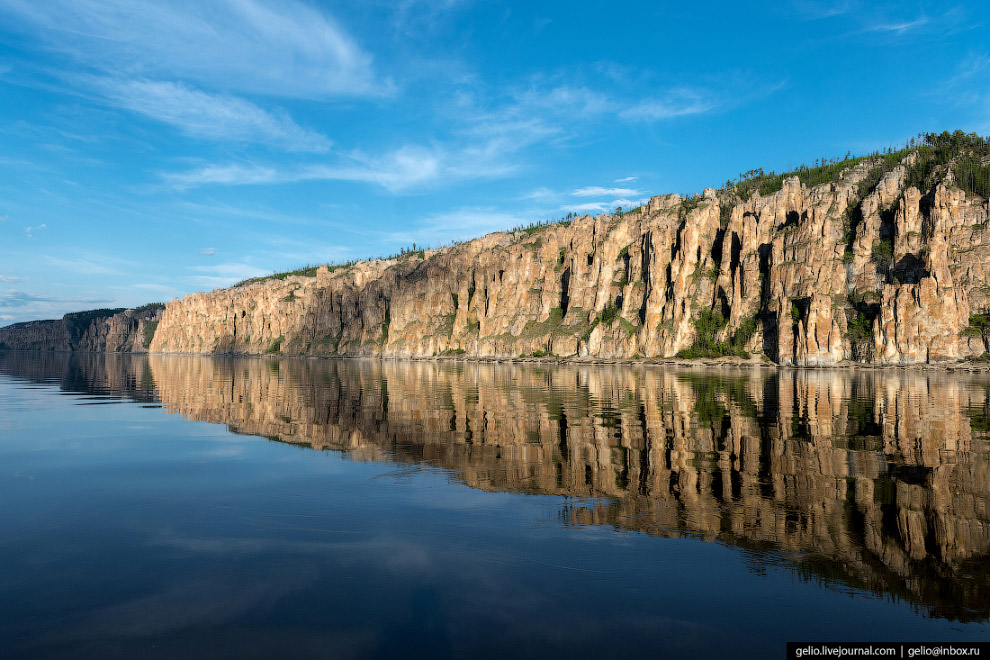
875 480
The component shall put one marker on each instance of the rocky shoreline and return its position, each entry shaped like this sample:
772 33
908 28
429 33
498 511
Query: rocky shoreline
969 366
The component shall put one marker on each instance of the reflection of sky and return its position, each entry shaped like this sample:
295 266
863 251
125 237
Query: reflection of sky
146 540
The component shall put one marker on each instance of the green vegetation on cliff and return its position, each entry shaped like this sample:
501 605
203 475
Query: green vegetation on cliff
708 325
78 322
967 155
149 332
716 270
149 307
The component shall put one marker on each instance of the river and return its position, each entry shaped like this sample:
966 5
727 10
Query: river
179 506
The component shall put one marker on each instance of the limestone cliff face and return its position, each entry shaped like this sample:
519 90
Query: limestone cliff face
805 276
106 330
862 268
36 335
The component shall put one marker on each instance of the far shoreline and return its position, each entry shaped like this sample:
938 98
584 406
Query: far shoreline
727 362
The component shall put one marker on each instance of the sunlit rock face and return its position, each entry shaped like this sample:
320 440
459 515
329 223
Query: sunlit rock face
862 268
867 480
105 330
847 270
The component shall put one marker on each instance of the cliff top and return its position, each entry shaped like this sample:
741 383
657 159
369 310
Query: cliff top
959 158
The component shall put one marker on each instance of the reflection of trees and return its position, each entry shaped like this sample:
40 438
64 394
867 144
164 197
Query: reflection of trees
876 480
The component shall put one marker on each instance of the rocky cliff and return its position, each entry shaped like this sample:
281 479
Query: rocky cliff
877 259
860 267
101 330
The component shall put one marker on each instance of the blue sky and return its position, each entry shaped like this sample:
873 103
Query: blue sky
152 149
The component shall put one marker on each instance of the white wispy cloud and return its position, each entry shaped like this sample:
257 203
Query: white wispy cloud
488 132
225 274
813 10
17 306
599 191
214 209
899 27
626 179
969 90
28 231
208 251
976 64
546 109
629 203
83 266
590 206
539 193
234 174
524 116
605 206
417 18
400 170
211 116
14 298
10 279
566 99
255 46
157 288
895 24
22 163
461 224
672 103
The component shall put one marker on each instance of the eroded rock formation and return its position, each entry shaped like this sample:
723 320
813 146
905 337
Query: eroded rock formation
848 270
103 330
861 268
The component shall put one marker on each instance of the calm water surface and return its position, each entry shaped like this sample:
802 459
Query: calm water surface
188 507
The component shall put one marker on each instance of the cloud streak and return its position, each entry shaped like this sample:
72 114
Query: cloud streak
598 191
401 170
250 46
226 274
671 104
159 288
547 111
812 10
211 116
461 224
541 112
82 266
487 135
14 298
950 21
900 28
604 207
28 231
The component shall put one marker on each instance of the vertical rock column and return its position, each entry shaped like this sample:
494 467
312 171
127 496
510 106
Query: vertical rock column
921 322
